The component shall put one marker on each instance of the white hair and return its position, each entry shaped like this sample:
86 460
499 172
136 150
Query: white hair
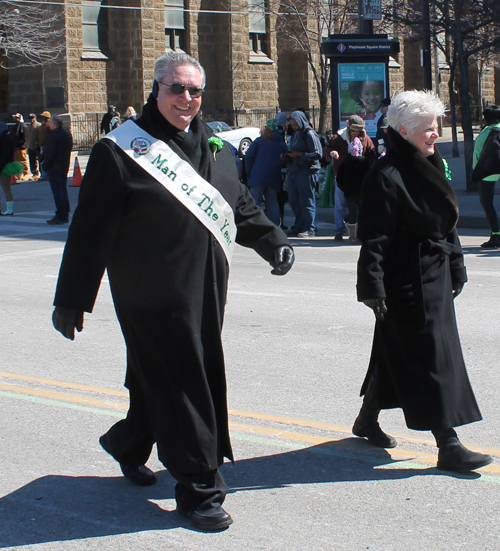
410 107
167 62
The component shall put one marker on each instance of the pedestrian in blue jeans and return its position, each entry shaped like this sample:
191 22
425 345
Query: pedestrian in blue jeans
56 159
264 174
305 154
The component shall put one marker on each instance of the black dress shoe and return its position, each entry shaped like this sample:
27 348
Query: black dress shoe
454 456
374 434
141 475
213 519
57 221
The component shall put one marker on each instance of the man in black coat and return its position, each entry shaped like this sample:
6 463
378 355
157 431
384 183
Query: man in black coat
167 255
56 159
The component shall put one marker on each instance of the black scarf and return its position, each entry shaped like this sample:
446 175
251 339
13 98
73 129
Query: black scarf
192 146
431 168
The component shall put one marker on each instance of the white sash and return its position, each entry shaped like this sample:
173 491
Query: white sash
181 180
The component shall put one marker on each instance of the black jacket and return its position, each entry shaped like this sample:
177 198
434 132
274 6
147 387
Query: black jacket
168 276
411 256
57 151
489 160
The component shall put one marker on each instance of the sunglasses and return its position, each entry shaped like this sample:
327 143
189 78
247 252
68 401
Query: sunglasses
179 89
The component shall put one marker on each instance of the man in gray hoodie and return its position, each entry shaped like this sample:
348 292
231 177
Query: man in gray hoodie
305 155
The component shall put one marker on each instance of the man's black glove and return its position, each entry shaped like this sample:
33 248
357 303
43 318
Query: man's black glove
65 320
284 258
378 306
457 289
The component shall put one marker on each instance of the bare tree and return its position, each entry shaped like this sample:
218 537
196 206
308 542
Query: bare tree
30 34
461 29
302 25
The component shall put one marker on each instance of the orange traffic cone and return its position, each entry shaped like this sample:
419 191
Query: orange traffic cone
13 180
77 174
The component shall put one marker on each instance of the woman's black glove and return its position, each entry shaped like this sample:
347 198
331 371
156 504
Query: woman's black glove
65 320
378 306
284 257
457 289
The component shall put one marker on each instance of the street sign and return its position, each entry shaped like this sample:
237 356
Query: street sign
371 9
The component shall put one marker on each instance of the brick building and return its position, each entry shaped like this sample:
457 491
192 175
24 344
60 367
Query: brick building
111 47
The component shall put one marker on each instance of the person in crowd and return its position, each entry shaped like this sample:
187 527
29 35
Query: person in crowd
8 167
161 208
106 119
281 120
382 114
130 114
115 121
43 133
337 150
56 160
410 270
18 132
262 167
302 179
382 137
486 185
33 145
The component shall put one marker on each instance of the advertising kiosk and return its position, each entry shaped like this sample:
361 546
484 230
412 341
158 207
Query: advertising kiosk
359 76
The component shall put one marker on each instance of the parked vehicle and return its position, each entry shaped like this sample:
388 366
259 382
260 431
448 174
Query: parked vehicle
240 138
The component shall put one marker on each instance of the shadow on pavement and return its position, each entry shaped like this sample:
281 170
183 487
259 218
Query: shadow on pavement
484 253
346 460
62 508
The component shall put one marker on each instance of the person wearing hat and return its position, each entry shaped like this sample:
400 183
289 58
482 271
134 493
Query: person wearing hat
264 175
43 133
160 208
106 119
33 146
337 151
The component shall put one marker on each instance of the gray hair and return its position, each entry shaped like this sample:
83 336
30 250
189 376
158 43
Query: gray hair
57 120
174 59
410 107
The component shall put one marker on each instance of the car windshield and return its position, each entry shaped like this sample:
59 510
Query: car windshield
219 126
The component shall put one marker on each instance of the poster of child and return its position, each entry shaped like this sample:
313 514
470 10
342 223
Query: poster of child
362 86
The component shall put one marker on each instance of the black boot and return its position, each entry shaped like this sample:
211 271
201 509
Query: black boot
366 424
493 242
454 456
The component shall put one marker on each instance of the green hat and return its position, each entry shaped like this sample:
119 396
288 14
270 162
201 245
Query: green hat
272 124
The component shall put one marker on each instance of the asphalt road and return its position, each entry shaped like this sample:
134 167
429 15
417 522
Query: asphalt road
297 348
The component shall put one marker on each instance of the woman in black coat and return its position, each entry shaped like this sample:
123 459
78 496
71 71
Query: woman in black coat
409 271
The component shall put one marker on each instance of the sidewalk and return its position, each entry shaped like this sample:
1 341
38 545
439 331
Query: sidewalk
471 212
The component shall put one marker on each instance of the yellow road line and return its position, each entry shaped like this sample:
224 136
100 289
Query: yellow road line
64 384
277 433
64 397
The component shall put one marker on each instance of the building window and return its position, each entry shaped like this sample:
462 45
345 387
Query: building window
258 36
95 25
175 28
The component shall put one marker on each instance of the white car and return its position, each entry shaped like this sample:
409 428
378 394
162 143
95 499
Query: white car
240 138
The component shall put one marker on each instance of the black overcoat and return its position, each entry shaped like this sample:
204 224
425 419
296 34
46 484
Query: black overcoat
411 256
168 277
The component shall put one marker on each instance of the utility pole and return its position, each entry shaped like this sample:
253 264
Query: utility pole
426 46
